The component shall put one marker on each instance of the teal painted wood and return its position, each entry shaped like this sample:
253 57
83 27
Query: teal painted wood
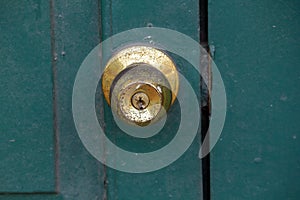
26 126
182 179
31 197
257 51
75 34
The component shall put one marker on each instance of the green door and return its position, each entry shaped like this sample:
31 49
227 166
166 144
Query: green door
255 46
27 127
41 155
43 46
257 50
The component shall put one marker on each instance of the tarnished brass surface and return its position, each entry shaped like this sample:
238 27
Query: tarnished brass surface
140 84
139 54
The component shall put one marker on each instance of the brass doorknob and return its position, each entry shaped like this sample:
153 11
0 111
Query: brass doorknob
140 83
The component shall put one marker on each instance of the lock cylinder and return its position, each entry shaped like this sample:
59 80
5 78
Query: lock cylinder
141 94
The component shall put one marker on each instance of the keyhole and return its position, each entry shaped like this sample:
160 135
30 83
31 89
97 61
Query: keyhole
140 101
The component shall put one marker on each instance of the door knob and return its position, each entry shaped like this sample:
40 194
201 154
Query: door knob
140 83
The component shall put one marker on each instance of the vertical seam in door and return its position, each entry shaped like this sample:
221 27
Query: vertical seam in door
205 109
54 96
102 123
203 23
110 18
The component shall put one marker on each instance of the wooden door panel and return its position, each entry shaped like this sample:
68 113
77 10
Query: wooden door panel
182 179
257 51
27 161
